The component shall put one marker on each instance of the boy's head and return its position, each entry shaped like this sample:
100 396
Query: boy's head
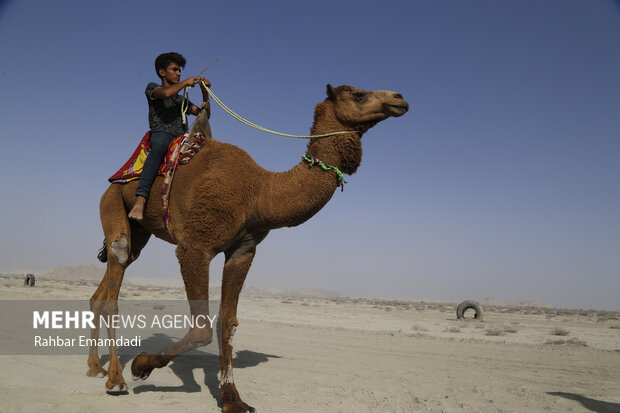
166 59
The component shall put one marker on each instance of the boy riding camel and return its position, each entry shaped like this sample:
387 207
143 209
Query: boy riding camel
166 119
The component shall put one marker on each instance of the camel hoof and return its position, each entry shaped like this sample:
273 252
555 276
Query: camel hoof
118 389
140 369
238 407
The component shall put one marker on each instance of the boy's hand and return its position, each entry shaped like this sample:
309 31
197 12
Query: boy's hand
206 81
190 81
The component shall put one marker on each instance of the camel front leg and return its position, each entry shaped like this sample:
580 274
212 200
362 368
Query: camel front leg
235 271
195 271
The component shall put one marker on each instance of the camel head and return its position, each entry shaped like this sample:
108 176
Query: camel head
350 109
360 108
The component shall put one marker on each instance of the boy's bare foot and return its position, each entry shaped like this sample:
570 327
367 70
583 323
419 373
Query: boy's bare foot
137 212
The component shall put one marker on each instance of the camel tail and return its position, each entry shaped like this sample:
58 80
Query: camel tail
103 253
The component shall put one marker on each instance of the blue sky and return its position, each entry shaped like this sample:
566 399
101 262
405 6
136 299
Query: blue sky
501 181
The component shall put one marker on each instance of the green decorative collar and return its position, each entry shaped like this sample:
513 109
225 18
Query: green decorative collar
313 161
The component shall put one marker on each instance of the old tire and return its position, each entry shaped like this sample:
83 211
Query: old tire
29 281
466 305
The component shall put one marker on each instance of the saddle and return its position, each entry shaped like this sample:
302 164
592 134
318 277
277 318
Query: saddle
179 150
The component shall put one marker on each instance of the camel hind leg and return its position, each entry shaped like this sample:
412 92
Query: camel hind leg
123 242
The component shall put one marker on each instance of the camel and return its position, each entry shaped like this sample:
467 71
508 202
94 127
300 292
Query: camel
222 201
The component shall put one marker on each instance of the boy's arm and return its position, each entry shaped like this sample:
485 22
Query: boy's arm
169 91
195 110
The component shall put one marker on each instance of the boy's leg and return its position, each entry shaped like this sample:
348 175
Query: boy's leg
160 141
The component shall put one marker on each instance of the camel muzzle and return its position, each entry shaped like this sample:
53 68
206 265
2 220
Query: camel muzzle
398 109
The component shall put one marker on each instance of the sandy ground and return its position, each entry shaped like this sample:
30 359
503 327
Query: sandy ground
347 355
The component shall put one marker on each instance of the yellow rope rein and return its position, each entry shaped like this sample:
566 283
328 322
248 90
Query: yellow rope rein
255 126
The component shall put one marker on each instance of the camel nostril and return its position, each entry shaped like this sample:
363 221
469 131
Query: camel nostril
398 96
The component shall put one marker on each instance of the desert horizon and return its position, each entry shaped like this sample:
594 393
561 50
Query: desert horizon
93 274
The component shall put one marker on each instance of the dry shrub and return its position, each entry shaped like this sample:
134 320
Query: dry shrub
416 327
452 330
494 332
602 317
572 341
510 329
558 331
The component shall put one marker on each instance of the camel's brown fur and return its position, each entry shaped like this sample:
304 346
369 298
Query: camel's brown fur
222 201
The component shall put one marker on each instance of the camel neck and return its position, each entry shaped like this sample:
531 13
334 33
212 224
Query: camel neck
295 196
344 151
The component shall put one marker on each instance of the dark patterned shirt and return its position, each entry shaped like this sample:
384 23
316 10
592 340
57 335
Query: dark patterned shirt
165 114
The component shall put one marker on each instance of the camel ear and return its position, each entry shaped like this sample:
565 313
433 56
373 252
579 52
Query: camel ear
331 94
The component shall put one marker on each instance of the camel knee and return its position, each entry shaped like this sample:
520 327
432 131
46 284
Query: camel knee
228 329
120 249
232 330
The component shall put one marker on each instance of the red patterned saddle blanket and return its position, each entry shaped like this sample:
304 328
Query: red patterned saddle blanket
178 150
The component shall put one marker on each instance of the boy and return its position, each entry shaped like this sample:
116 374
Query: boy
165 119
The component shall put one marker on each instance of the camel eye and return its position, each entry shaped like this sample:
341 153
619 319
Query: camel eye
358 96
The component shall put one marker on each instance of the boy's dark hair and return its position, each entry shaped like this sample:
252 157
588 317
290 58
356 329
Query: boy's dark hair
165 59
